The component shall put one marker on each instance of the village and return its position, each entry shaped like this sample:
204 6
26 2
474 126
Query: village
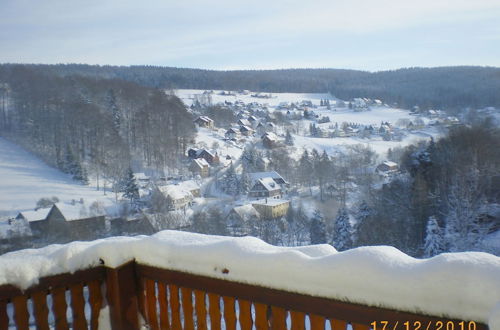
265 123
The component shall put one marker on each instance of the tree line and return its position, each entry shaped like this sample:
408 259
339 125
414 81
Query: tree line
443 87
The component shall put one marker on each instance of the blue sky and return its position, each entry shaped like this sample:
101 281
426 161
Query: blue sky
223 34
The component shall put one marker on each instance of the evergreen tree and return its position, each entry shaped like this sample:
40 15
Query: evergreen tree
230 183
79 173
68 164
288 138
433 239
245 182
130 189
317 229
342 238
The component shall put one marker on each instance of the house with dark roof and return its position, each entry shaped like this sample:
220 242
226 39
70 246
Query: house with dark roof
204 121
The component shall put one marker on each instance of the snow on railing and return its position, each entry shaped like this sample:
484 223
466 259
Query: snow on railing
278 282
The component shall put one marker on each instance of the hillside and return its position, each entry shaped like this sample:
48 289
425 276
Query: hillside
26 179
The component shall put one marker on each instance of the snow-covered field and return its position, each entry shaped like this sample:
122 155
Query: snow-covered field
459 285
332 145
188 95
24 179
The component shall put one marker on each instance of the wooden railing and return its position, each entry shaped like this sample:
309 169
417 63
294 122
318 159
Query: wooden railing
168 299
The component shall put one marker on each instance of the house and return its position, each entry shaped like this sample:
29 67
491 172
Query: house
173 196
246 130
231 134
270 174
69 222
239 218
265 187
252 120
35 219
387 167
204 121
244 122
141 179
200 166
269 140
209 155
271 208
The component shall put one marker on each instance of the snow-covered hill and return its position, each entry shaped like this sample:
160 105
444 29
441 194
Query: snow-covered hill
24 179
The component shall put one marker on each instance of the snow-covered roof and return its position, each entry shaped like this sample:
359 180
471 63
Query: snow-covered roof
205 119
271 136
269 183
77 211
390 164
245 128
189 185
244 122
271 174
37 215
457 285
201 162
175 191
270 201
246 210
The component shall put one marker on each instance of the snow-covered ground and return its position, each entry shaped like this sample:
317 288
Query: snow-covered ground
188 96
24 179
458 285
332 145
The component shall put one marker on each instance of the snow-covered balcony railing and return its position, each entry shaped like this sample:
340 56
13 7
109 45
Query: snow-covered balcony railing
175 280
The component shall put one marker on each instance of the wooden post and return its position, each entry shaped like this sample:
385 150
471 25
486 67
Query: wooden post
122 296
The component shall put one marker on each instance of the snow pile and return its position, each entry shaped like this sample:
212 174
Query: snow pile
457 285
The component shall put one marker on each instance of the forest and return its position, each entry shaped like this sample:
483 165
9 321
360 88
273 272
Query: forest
449 88
81 124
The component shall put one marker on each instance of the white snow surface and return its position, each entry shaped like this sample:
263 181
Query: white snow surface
457 285
24 179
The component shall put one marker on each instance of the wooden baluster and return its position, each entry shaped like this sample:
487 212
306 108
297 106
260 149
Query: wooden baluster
187 307
201 310
95 302
261 316
21 314
278 319
175 306
41 310
338 324
317 322
229 312
4 317
357 326
151 304
78 306
163 300
141 298
214 311
59 307
245 317
298 320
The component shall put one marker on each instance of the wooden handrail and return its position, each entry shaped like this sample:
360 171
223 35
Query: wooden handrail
169 299
324 307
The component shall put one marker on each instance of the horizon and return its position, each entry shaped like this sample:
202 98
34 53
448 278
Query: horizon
355 35
258 69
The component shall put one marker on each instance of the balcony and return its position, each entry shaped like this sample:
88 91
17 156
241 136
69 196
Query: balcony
177 280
